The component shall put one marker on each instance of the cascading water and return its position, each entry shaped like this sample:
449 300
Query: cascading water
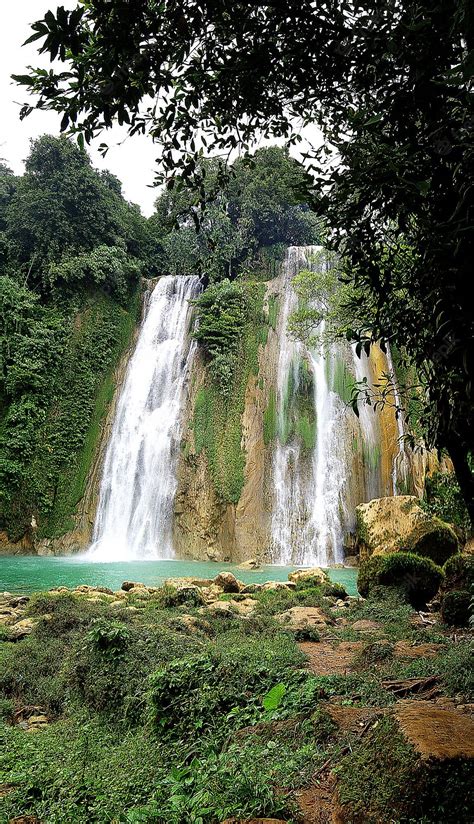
135 512
318 479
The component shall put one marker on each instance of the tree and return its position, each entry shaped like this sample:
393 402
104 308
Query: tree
387 80
260 205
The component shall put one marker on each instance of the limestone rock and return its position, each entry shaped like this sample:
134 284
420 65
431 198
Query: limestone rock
399 524
223 608
252 563
127 586
301 618
21 629
273 586
251 589
314 573
227 582
366 626
436 733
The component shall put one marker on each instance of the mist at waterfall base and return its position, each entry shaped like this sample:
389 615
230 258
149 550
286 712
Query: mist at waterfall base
135 512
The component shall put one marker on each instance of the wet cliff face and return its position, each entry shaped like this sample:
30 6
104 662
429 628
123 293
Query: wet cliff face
371 447
362 457
206 527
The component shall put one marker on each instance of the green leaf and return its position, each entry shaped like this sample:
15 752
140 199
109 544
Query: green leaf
273 699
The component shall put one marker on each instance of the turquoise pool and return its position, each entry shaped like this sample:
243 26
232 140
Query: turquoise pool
25 573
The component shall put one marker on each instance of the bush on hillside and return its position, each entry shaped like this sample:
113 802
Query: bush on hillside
432 539
455 608
459 572
417 578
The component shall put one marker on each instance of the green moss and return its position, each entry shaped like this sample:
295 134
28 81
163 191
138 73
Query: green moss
455 608
217 420
305 429
85 390
270 422
343 382
417 578
272 311
433 539
459 572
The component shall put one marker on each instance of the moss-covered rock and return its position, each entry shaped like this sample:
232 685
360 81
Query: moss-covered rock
455 607
417 578
413 763
397 524
459 572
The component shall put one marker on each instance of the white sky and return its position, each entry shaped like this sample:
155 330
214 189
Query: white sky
131 161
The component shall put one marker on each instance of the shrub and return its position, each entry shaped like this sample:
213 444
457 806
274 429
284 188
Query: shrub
417 578
334 590
459 572
432 539
455 608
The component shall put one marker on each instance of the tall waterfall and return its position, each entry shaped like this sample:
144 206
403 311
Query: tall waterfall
326 460
135 512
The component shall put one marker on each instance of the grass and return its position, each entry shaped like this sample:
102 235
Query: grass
152 721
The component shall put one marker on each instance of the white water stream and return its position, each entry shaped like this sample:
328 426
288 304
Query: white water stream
135 512
315 494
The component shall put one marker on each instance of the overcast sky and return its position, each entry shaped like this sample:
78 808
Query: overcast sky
132 161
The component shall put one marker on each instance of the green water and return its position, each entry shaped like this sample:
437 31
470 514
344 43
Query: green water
27 573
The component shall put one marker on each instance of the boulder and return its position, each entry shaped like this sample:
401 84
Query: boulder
297 619
364 625
398 523
127 586
251 589
278 585
312 575
252 563
21 629
227 582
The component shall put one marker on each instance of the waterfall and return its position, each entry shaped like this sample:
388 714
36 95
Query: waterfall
135 511
319 479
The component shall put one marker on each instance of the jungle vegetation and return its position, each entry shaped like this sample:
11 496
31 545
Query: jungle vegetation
387 82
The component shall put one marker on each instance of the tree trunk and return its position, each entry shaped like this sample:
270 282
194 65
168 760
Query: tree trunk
459 456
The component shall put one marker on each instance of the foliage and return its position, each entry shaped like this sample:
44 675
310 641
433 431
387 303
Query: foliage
397 127
417 578
455 607
443 497
233 327
248 222
221 317
75 251
459 572
229 723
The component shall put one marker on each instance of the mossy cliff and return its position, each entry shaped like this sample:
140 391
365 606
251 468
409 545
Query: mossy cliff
65 465
222 508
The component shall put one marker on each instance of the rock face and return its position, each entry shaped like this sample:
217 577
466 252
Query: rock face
399 524
206 527
436 733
